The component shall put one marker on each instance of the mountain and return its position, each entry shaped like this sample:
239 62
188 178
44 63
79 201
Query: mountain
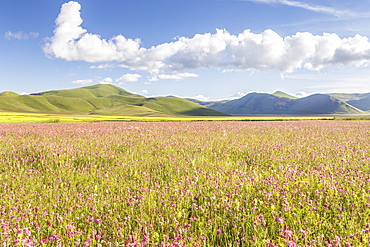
253 103
322 104
281 103
107 99
358 100
104 99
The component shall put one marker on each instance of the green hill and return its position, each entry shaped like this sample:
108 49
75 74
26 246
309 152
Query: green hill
95 91
281 94
8 94
102 99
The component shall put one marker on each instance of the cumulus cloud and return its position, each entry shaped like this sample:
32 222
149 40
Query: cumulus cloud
21 35
128 78
221 50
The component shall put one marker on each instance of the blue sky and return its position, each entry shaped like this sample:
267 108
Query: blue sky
207 49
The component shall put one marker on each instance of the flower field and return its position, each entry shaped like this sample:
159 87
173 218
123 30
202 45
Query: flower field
299 183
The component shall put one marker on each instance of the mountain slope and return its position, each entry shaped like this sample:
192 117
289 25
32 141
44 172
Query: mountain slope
263 103
281 94
101 99
358 100
253 103
8 94
95 91
322 104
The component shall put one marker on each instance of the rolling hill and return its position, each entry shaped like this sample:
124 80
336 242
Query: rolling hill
103 99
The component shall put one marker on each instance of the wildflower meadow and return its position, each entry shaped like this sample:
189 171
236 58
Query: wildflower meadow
283 183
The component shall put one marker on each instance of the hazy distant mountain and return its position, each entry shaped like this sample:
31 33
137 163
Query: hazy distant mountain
358 100
282 103
104 99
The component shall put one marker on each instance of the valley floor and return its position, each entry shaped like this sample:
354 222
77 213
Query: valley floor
230 183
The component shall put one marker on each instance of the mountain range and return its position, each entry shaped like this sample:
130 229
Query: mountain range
107 99
282 103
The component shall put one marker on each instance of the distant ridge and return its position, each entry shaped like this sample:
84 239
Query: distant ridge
282 103
104 99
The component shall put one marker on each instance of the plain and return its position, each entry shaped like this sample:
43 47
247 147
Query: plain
209 183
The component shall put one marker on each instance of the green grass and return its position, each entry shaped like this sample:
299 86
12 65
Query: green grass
353 118
11 117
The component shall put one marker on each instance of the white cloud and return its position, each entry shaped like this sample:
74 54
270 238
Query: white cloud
153 78
200 97
107 80
221 50
128 78
179 76
83 82
238 95
301 94
21 35
315 8
103 66
145 92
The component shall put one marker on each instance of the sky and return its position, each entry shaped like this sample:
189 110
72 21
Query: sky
203 49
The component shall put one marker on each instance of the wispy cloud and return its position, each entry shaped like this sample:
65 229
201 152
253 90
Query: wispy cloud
315 8
106 80
21 35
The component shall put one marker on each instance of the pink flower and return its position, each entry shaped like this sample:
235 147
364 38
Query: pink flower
280 220
145 239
